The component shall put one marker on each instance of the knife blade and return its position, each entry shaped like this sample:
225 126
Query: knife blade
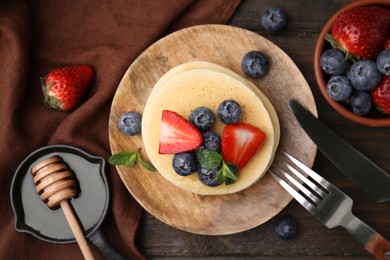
372 179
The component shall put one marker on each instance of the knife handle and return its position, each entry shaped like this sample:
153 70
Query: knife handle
379 247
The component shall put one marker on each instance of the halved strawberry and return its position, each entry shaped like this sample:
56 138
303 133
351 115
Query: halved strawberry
240 142
177 134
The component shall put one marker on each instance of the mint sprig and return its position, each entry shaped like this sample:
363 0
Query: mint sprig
211 160
129 159
208 159
145 164
228 173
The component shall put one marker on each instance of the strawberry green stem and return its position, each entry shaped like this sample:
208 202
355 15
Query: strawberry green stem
336 45
49 100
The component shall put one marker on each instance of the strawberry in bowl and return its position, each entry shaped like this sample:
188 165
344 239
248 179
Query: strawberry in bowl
357 33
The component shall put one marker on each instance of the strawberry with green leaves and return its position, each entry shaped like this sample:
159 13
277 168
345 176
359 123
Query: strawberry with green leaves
64 88
361 32
381 95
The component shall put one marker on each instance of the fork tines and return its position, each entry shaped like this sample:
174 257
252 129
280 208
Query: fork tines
306 186
326 202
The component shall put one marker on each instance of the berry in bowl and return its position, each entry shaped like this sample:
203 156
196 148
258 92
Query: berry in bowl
352 62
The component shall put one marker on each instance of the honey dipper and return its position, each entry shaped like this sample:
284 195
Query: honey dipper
56 183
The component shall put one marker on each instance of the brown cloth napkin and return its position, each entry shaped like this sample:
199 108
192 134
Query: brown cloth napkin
37 36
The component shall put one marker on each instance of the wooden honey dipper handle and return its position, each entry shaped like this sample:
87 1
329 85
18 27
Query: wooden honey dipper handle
77 232
56 184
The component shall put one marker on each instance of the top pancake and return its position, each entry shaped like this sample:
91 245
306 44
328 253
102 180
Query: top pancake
194 84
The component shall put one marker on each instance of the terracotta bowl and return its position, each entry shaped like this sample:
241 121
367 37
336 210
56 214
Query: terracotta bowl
372 119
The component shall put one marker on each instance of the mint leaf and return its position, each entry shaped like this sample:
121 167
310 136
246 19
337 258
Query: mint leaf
232 167
234 170
228 173
220 177
124 158
129 159
208 159
145 164
211 160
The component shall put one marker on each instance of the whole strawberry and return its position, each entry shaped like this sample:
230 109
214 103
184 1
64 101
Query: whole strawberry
64 88
361 31
381 95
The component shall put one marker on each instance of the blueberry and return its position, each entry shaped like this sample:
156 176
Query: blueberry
274 19
333 62
360 102
185 163
364 75
339 88
383 62
255 64
208 177
130 123
229 111
348 73
211 141
202 118
286 227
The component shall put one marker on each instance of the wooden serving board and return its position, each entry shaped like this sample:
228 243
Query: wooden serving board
223 45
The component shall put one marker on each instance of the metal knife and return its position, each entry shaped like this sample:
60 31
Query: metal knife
372 179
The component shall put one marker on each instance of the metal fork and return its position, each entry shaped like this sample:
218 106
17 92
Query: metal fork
326 202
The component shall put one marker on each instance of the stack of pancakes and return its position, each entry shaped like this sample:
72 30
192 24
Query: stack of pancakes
200 83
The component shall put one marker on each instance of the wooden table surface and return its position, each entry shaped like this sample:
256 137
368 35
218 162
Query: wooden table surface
157 240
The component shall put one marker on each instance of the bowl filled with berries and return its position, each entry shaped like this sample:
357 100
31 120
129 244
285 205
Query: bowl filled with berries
352 62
